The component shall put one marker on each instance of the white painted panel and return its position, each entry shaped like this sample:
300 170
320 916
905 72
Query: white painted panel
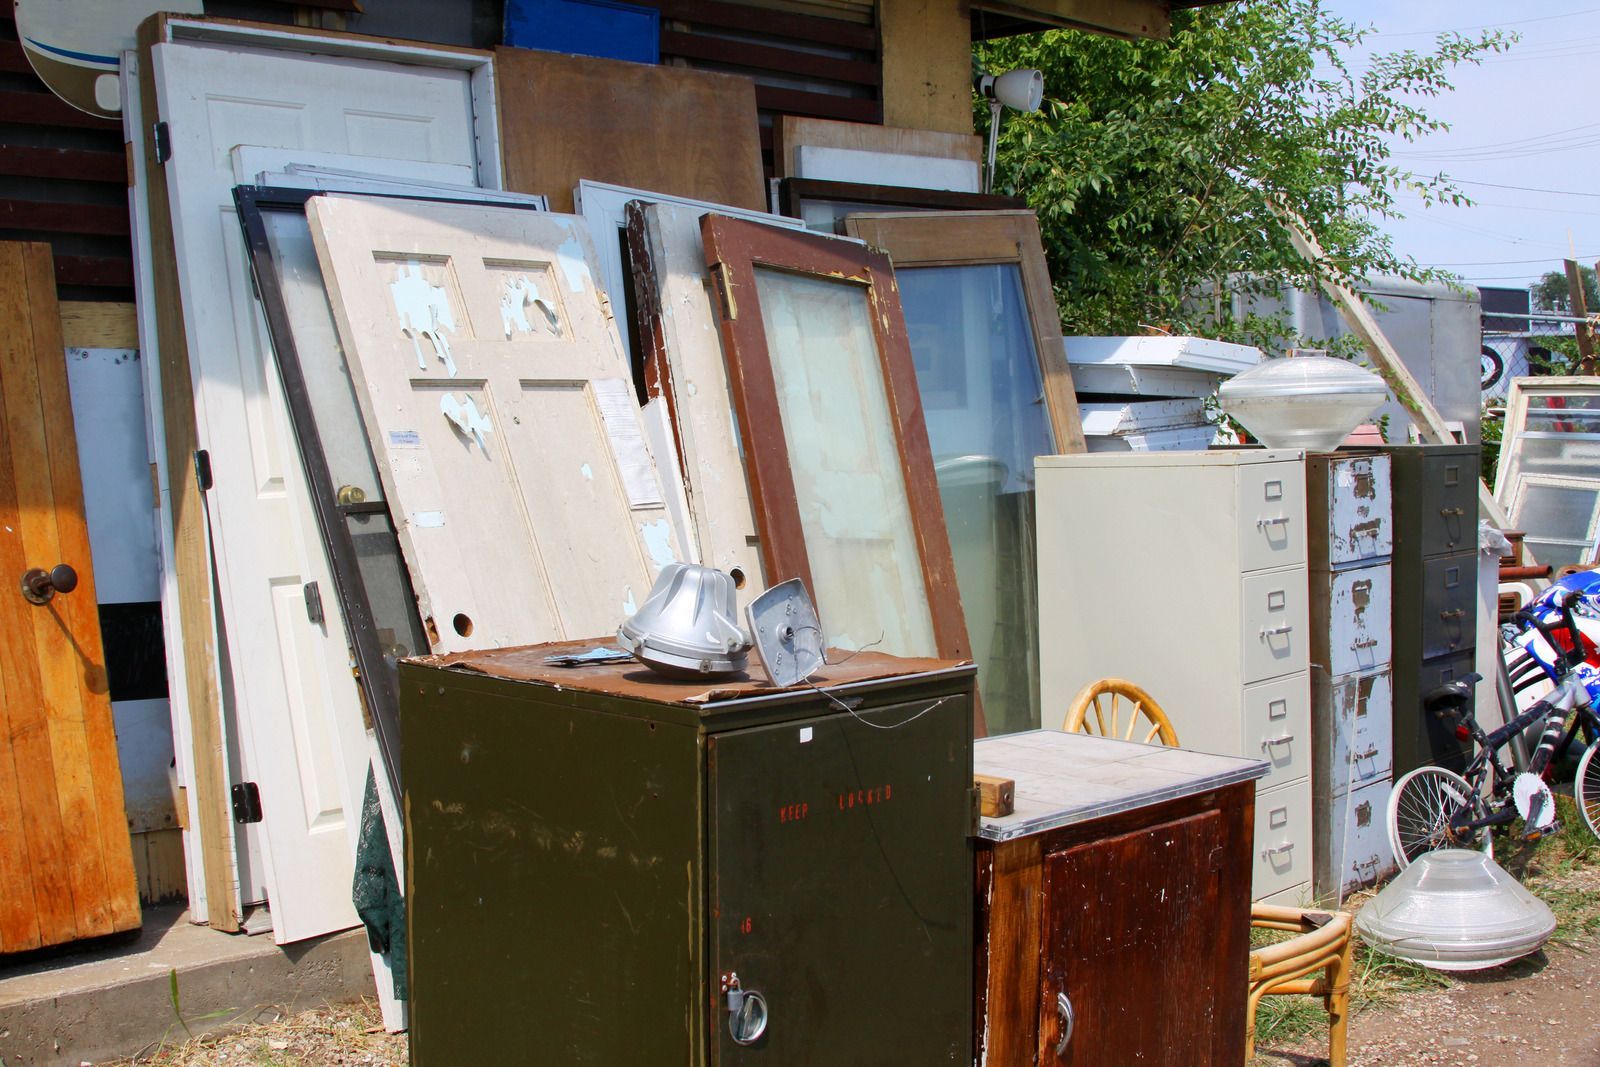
1283 839
1362 854
108 414
1360 509
1273 623
144 749
288 690
886 168
1277 728
1363 721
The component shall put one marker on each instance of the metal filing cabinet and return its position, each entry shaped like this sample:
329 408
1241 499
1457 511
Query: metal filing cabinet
1435 593
1350 538
594 852
1185 572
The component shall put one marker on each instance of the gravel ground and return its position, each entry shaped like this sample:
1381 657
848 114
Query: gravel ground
1544 1010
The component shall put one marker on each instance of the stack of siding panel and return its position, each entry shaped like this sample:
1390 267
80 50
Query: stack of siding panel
1149 394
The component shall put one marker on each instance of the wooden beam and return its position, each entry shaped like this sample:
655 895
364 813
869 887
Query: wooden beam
1358 317
1580 309
927 67
191 548
1118 18
92 324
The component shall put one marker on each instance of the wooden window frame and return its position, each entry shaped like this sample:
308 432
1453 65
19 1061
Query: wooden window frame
793 193
977 238
735 249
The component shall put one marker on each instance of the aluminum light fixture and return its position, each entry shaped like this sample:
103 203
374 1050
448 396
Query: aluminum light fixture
1455 910
1020 90
687 627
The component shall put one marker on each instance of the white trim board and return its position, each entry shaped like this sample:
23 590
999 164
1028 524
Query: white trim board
886 168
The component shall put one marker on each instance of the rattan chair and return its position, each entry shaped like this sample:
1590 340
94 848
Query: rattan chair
1316 963
1111 699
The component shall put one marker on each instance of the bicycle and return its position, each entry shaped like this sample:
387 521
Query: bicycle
1432 808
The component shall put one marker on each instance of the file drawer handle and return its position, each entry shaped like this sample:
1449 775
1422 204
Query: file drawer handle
1274 631
1281 520
1068 1020
1268 853
1368 643
1269 742
1456 614
1447 512
1368 754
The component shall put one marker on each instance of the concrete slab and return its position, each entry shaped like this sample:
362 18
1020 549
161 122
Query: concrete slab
114 999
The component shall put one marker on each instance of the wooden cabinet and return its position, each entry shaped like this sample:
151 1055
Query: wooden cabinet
1186 573
1117 895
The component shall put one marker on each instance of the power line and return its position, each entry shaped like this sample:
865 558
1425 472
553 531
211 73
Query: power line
1508 262
1525 188
1491 25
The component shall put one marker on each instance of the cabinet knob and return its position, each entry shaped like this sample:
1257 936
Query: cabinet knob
1068 1019
40 585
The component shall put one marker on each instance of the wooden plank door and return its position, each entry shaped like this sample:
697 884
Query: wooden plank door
831 420
66 861
289 704
500 406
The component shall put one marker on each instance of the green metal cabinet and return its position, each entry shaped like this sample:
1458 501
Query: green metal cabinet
593 853
1435 592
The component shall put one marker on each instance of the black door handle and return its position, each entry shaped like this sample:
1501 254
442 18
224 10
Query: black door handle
39 585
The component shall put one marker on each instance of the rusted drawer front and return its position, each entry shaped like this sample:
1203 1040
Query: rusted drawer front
1274 620
1449 499
1271 515
1360 509
1277 728
1283 839
1362 741
1449 603
1359 836
1357 603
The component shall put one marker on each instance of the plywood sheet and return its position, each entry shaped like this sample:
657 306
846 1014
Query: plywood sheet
502 414
672 130
66 861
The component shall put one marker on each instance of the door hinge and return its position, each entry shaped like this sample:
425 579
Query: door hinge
313 603
246 803
162 135
202 469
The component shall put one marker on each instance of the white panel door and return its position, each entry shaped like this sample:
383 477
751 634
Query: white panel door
497 397
289 703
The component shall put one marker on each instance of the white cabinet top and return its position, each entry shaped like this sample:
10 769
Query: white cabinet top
1216 457
1063 778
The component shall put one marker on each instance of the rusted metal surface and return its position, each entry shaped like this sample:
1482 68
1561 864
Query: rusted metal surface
529 663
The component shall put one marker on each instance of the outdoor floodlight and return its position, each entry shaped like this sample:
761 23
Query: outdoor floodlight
1020 90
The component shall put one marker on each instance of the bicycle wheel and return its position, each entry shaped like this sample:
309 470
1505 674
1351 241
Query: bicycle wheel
1586 789
1421 807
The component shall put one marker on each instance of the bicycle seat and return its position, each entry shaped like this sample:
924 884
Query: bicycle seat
1451 698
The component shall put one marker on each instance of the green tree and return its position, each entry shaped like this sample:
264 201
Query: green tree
1153 164
1552 293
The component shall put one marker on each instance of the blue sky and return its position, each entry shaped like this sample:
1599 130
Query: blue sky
1523 121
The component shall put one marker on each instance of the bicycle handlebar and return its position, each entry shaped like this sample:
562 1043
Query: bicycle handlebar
1566 659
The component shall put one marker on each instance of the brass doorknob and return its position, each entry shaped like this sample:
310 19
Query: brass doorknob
39 585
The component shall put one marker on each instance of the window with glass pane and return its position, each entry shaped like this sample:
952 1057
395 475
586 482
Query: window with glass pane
983 400
866 567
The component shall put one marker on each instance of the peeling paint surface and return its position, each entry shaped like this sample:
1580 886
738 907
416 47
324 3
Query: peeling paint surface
658 542
519 297
573 264
587 471
424 310
466 417
629 605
